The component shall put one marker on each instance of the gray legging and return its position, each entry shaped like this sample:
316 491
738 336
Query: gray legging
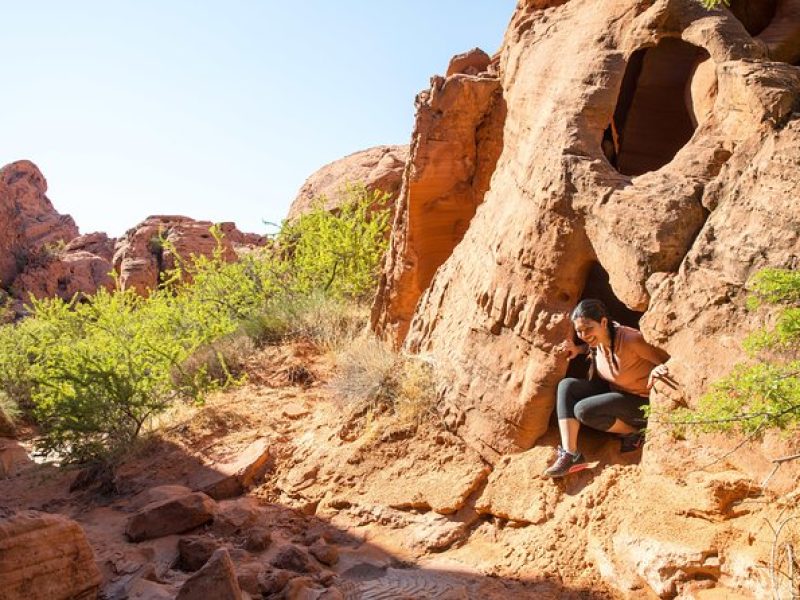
594 404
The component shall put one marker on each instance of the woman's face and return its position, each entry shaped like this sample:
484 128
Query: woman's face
592 332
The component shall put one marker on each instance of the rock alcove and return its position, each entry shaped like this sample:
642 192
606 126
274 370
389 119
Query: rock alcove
653 118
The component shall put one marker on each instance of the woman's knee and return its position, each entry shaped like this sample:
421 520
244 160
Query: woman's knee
566 383
591 417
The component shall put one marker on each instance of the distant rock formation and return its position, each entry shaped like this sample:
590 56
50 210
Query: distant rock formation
83 266
140 256
30 224
41 253
378 168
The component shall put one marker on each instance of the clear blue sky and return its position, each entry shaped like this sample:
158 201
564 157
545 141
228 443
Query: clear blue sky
216 110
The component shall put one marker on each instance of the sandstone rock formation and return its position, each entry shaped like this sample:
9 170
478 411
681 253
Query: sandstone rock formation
378 168
140 256
83 266
30 224
458 136
45 556
647 155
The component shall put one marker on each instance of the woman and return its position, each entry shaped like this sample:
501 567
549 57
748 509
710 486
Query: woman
623 370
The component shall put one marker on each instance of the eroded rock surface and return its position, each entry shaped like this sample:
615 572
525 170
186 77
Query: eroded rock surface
458 135
379 168
627 126
30 224
45 556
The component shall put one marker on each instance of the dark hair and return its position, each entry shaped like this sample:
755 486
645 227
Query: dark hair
596 311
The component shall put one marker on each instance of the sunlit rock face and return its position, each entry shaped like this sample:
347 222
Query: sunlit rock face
456 141
158 243
649 156
28 221
379 169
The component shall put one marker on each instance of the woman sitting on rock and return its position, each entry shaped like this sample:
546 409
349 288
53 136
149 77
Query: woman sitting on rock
623 369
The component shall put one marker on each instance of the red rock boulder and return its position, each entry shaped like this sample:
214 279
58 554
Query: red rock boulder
45 556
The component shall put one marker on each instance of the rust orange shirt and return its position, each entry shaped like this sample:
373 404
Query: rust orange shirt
635 359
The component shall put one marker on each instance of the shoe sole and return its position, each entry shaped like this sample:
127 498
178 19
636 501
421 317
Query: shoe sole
575 469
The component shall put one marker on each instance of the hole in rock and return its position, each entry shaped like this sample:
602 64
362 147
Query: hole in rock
598 286
654 116
755 15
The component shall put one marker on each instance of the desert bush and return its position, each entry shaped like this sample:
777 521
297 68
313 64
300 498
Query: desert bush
93 373
99 369
765 391
9 414
338 253
373 380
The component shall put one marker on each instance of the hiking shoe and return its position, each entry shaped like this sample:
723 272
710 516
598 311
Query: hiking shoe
563 463
631 442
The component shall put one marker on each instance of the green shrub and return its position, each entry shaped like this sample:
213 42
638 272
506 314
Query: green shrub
93 373
765 392
338 253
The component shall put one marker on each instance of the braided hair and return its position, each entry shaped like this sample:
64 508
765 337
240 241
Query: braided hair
596 311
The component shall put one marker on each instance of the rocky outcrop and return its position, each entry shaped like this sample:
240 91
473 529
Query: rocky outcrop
379 168
45 556
456 141
627 126
173 515
83 266
141 255
30 224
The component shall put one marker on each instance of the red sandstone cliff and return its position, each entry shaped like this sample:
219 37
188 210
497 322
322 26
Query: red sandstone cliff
652 146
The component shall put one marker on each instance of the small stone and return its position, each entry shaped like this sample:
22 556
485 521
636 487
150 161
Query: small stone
217 580
294 559
258 539
273 581
194 552
324 553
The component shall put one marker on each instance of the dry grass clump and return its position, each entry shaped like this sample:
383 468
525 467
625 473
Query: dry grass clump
385 394
325 321
222 361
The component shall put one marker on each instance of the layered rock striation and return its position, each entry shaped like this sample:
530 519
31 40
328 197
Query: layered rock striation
457 138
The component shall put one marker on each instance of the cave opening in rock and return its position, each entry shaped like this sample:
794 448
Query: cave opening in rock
598 286
653 118
755 15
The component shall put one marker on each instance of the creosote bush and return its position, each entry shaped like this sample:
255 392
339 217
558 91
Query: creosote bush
93 373
764 392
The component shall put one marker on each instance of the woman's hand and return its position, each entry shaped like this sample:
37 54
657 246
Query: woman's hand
660 372
569 349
